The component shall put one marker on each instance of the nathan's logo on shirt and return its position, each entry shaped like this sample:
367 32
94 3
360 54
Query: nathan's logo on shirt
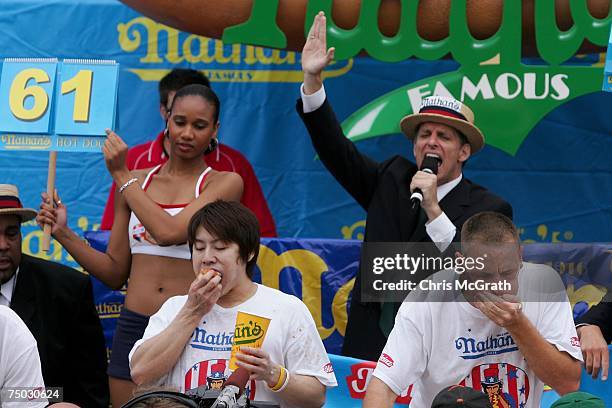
473 348
386 360
506 386
328 368
575 341
211 341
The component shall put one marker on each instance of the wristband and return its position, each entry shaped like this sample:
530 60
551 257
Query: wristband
127 184
283 380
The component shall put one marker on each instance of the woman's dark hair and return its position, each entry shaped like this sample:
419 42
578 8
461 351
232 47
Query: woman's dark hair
229 221
202 91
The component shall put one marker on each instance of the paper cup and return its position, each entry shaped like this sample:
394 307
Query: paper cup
250 331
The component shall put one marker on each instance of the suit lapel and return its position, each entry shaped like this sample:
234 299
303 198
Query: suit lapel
454 202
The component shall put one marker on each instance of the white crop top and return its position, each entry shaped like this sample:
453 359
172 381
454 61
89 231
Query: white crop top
141 242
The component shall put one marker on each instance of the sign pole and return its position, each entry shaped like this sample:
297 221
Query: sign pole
46 239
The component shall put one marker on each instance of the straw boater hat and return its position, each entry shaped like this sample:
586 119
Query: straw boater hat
11 205
447 111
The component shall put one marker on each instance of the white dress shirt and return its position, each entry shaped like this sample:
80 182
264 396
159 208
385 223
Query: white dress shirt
7 289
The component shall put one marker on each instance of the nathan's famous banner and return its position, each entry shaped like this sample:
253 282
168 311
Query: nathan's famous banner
322 272
545 119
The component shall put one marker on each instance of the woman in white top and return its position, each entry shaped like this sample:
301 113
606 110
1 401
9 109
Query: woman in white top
152 210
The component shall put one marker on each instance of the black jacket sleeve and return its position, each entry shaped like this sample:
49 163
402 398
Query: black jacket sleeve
357 173
600 315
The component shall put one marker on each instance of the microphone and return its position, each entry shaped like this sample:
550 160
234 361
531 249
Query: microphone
429 165
233 388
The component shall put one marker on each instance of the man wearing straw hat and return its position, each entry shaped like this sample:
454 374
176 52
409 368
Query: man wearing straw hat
56 303
444 129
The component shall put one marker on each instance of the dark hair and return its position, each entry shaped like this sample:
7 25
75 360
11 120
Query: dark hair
177 79
202 91
229 221
488 227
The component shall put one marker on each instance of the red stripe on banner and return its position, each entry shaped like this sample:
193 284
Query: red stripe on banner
450 114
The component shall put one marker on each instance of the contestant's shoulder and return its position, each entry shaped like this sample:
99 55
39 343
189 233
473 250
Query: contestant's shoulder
278 297
173 304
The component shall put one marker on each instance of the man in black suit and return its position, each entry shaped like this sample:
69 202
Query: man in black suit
595 331
56 303
444 128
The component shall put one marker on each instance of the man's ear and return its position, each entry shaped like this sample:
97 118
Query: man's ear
458 254
465 152
163 112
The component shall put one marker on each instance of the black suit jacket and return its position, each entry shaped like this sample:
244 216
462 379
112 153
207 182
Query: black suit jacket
383 190
56 303
600 315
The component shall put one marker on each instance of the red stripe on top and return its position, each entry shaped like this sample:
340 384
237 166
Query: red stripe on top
450 114
10 203
172 205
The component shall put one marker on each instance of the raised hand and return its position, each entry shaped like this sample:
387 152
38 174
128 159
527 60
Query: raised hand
115 155
54 215
315 55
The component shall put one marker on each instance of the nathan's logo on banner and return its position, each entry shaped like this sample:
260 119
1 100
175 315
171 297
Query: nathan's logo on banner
508 97
162 46
109 310
25 142
360 377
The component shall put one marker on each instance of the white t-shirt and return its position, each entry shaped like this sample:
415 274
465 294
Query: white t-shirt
292 340
19 361
437 344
